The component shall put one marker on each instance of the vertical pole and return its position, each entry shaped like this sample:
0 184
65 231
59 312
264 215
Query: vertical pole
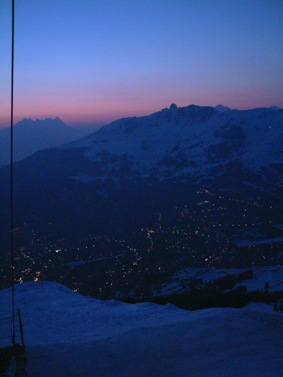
11 175
21 329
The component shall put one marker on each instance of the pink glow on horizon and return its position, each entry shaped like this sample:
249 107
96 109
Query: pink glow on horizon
74 66
76 113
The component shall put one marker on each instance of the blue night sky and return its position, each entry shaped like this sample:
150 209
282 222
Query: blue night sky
90 61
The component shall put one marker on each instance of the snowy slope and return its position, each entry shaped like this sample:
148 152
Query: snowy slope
70 335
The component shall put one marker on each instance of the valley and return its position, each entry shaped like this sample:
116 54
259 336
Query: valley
214 232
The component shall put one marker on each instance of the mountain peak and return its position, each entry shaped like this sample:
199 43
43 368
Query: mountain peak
220 108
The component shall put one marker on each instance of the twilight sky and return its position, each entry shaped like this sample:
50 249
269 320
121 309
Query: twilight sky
90 61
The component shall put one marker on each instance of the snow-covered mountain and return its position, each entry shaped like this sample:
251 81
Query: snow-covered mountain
70 335
190 140
31 136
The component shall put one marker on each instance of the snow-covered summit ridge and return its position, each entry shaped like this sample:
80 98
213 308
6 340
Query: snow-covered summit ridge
193 138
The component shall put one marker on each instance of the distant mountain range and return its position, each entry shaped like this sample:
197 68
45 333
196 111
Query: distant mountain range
31 136
117 180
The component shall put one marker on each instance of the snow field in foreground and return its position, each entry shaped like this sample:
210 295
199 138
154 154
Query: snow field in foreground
70 335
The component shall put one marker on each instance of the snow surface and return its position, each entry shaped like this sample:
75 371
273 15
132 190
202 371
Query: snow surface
70 335
259 242
273 275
